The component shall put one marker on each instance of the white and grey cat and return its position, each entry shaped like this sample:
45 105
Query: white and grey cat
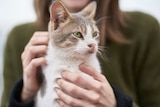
74 39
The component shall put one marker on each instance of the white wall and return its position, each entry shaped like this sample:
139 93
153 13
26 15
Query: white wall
12 12
148 6
15 12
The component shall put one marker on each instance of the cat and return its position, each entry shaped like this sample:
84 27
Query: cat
74 39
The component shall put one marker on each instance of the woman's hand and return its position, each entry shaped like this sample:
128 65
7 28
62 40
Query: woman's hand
76 90
32 59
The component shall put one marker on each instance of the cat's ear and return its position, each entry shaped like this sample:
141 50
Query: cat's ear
58 14
90 10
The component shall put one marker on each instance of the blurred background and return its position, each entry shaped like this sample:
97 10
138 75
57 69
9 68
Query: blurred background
14 12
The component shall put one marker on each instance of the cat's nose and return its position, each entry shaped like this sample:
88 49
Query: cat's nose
92 48
91 45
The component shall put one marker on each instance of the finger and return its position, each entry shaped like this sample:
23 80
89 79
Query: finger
33 51
38 38
78 92
30 73
82 80
92 72
72 102
32 67
61 103
40 34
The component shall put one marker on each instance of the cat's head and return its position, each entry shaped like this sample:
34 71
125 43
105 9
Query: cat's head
74 32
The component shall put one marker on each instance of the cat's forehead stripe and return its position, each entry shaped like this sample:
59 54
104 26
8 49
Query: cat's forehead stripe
83 29
89 31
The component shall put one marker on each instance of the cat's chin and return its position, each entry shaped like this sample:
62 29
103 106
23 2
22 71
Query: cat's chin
84 55
88 53
91 52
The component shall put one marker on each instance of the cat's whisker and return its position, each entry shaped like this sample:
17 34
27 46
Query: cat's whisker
101 52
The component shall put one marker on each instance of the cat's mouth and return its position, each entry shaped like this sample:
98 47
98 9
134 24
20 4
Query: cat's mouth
86 54
91 51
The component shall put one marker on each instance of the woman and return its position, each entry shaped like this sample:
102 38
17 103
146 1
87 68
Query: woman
132 39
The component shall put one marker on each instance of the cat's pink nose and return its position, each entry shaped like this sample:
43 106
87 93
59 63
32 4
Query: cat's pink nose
91 45
92 48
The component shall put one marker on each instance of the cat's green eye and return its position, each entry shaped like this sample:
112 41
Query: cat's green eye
78 34
95 34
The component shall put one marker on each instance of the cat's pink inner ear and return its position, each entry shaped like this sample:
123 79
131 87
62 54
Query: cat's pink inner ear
58 13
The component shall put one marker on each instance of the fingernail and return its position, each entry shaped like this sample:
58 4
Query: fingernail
56 89
83 65
57 100
62 73
57 79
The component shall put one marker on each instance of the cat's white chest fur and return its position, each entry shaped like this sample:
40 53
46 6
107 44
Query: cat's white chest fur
56 64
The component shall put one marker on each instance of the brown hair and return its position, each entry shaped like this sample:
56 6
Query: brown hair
110 28
42 12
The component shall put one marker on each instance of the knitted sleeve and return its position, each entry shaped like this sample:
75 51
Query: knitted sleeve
14 99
